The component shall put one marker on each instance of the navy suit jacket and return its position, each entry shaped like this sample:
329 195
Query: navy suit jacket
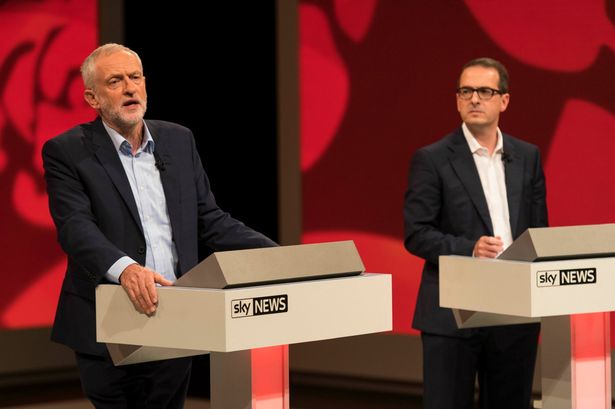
97 220
446 212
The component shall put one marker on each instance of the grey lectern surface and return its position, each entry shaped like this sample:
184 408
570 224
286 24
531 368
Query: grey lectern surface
230 269
336 301
562 243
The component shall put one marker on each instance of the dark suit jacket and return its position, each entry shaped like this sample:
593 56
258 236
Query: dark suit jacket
97 220
446 212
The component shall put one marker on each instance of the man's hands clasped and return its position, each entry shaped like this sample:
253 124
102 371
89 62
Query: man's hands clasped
488 247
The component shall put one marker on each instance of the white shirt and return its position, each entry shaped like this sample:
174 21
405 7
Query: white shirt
146 186
491 173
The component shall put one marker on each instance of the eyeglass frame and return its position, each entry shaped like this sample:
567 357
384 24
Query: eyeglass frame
478 91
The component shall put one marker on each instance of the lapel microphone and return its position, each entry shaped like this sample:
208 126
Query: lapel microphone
162 167
506 158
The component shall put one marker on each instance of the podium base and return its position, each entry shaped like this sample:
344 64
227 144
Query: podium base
251 379
576 362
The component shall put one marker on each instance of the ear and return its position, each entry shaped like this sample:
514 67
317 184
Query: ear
90 97
505 100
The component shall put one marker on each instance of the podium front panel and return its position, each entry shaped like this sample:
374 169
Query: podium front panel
525 289
246 318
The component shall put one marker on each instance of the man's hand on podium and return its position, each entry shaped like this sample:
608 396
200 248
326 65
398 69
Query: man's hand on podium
488 247
140 284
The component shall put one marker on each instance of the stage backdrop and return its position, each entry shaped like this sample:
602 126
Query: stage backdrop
41 95
377 82
378 79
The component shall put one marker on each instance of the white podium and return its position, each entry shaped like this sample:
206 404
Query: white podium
562 276
312 292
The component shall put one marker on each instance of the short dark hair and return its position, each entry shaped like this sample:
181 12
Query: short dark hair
490 63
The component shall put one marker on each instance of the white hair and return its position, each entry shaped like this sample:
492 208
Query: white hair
87 68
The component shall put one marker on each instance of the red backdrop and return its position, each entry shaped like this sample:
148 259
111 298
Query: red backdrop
377 81
43 44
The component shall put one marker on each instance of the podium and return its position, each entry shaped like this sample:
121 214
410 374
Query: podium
561 276
244 307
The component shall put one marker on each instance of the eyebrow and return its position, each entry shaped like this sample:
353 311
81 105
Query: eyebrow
121 74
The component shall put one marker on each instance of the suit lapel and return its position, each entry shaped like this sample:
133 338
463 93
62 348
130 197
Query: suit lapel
110 161
463 164
169 177
513 171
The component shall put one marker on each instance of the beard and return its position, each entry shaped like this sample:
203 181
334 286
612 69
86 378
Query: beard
120 119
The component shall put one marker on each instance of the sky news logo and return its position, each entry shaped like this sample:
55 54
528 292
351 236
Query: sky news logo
249 307
552 278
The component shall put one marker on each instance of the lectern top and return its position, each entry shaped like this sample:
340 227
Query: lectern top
562 243
240 268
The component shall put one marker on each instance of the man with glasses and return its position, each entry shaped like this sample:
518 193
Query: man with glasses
471 193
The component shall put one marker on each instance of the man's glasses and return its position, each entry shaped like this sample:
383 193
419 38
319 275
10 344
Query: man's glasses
484 93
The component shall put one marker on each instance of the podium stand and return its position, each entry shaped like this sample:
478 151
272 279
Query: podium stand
562 276
261 301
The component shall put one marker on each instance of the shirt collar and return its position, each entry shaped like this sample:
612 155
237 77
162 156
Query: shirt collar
122 145
475 146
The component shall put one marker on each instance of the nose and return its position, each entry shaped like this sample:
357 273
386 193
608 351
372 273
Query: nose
475 97
129 87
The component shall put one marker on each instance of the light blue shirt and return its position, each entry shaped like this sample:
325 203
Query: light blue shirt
146 186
